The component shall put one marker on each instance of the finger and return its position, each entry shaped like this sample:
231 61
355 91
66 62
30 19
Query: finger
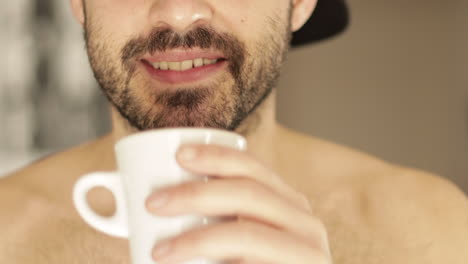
227 162
248 241
243 197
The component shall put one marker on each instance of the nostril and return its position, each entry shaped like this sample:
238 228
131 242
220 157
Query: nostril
179 15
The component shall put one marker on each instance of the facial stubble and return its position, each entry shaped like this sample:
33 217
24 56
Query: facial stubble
224 103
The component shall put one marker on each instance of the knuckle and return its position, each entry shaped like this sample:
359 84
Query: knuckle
202 152
194 239
217 151
190 190
209 151
190 239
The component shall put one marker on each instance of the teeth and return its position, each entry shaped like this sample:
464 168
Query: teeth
184 65
198 62
188 64
175 66
208 61
163 65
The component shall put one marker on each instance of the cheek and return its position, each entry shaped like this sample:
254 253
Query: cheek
121 20
118 17
248 19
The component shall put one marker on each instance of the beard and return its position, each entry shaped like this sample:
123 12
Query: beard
223 103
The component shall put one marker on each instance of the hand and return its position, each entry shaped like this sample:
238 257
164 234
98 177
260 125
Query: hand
274 223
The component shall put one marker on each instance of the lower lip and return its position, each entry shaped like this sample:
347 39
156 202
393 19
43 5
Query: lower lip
187 76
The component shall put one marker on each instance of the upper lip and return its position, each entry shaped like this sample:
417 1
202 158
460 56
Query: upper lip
183 55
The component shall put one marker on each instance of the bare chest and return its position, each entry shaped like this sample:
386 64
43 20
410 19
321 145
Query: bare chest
57 241
47 234
53 240
357 235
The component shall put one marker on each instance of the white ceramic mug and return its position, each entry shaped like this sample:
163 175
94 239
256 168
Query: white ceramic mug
146 162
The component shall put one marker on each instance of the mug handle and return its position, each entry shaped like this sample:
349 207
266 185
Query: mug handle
115 225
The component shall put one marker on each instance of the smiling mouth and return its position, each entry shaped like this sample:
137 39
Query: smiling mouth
182 65
186 71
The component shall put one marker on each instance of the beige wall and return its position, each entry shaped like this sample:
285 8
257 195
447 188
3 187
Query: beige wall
394 85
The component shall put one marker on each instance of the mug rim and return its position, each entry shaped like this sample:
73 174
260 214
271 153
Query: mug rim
161 131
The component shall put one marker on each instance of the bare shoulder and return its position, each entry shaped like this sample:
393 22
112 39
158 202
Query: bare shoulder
37 220
15 202
401 215
53 175
432 193
37 230
22 212
429 212
378 212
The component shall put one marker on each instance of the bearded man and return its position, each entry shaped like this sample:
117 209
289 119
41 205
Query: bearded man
215 63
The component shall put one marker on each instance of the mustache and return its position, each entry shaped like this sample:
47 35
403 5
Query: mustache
204 37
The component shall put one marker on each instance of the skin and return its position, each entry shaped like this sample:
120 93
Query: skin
297 199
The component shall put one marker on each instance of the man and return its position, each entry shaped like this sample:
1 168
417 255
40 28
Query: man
294 198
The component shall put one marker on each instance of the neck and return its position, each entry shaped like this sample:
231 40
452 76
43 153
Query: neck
259 128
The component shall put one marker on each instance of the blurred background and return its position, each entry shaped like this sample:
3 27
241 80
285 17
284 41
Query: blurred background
393 85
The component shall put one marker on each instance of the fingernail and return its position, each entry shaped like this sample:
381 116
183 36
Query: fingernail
162 250
188 153
159 200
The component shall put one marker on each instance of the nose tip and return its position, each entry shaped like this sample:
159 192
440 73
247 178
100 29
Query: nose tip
180 15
